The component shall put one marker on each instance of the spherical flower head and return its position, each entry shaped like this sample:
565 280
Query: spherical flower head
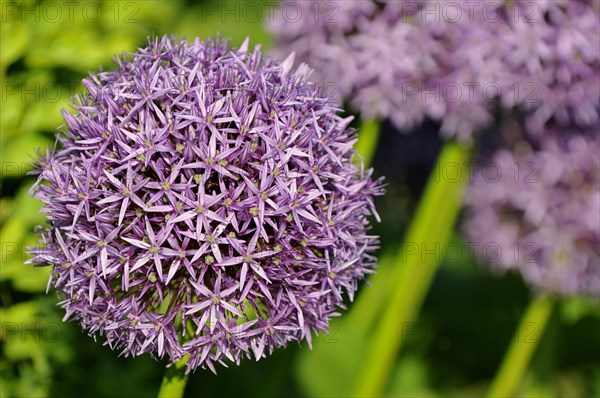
553 56
392 59
204 202
538 212
452 62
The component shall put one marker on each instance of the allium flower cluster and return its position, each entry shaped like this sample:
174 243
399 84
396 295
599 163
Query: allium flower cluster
554 57
204 202
452 61
541 213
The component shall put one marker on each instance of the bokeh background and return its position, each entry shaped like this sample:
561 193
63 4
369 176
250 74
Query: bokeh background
453 349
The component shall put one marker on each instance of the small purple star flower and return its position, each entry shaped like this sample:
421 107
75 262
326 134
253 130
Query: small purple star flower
204 203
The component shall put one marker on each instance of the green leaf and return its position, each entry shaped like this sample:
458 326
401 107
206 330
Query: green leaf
218 18
17 156
14 39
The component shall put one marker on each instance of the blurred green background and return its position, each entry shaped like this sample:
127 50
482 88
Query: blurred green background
454 349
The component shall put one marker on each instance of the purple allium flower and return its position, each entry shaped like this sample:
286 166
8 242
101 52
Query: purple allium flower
452 61
380 55
553 57
538 212
204 202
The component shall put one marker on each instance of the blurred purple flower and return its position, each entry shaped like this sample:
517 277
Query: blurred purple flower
204 202
554 59
452 61
538 212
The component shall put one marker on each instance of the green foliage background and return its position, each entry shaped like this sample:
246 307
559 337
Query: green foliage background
454 348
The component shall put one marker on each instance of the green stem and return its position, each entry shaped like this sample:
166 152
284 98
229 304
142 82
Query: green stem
368 137
174 380
524 343
416 265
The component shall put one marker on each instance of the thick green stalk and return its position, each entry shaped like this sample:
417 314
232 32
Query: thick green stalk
174 380
368 138
524 343
416 264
